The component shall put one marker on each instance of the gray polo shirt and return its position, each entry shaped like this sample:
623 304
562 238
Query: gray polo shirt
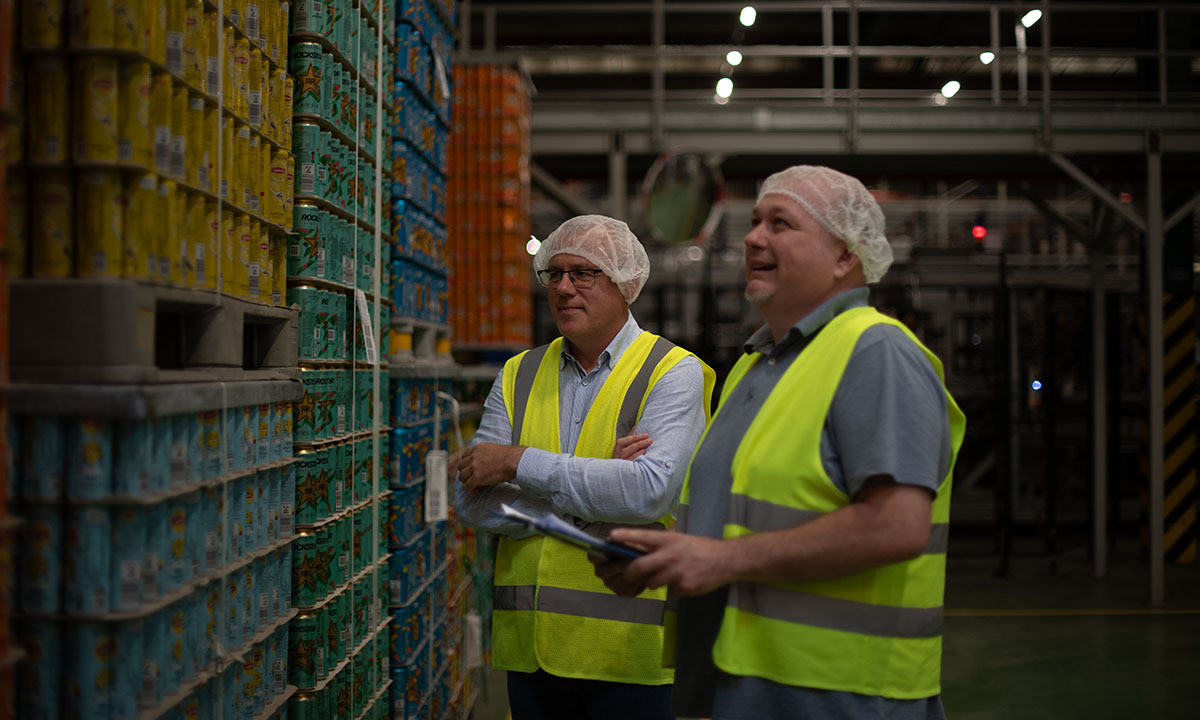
888 417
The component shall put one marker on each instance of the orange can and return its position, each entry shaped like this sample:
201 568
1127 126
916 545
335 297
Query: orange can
139 226
99 206
52 240
49 102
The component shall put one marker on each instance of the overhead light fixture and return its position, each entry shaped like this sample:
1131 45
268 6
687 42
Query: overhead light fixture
733 57
724 87
1028 20
986 57
720 100
533 245
939 99
749 14
951 88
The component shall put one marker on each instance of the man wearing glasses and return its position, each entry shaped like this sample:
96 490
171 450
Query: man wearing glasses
558 436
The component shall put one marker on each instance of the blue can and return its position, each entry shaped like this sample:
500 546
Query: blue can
248 602
177 566
261 509
87 560
210 508
181 444
132 457
128 559
264 580
287 500
193 635
126 670
90 455
40 673
193 537
88 670
231 433
249 486
156 552
285 577
235 514
154 657
247 446
263 436
277 452
160 468
175 616
230 691
42 458
205 450
41 550
210 617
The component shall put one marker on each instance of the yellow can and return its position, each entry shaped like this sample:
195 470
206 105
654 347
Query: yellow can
197 145
179 130
14 146
254 88
166 247
160 120
134 144
195 50
245 251
130 24
271 105
156 33
197 225
212 49
186 276
236 10
48 105
96 25
266 265
16 224
253 22
241 59
264 177
279 268
95 116
286 85
253 173
275 187
51 241
98 207
241 167
211 237
229 63
289 189
227 159
228 277
176 25
141 204
42 23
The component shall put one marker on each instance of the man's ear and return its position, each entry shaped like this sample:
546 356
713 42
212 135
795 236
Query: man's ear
845 263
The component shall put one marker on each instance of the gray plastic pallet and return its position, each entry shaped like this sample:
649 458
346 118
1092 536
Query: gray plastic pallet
118 331
140 401
425 337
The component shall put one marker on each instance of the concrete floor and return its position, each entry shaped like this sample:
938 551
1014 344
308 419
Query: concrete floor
1050 641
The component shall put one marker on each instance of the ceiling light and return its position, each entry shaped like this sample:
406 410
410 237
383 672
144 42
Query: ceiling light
987 57
749 13
1029 19
733 57
951 88
720 100
533 245
939 99
724 87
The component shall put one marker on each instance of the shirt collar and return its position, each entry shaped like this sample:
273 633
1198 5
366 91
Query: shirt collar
616 348
764 342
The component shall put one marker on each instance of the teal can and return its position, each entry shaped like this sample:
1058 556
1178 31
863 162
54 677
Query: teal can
306 144
264 567
326 549
329 66
211 507
133 451
160 469
126 670
306 654
154 657
304 569
262 508
89 458
40 673
43 450
321 334
308 16
249 514
336 249
306 65
324 169
86 563
88 670
335 455
128 558
307 297
271 507
279 656
305 413
177 565
175 616
285 578
287 500
312 485
41 553
182 435
194 537
305 706
156 552
341 552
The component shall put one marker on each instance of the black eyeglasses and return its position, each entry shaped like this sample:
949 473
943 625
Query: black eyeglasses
581 278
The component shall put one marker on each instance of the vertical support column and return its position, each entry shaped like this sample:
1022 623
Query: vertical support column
994 25
1099 412
827 54
1047 135
1154 308
618 195
658 81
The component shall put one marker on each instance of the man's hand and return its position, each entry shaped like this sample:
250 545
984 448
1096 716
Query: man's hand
631 446
612 572
487 464
687 564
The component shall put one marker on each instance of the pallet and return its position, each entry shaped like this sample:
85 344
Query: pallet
419 341
122 331
145 401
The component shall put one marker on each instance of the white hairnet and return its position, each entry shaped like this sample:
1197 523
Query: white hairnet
608 243
843 206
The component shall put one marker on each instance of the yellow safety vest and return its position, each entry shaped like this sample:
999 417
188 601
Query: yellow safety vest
549 610
877 632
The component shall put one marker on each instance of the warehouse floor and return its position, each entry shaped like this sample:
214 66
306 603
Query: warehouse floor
1050 641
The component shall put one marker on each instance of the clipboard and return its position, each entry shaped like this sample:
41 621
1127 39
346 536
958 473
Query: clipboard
559 529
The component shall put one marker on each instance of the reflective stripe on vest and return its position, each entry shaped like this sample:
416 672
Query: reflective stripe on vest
524 383
580 603
794 606
763 516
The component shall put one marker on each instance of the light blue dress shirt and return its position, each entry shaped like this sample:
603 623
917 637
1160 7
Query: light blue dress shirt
638 491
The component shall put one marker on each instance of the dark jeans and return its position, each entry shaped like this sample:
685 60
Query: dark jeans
542 696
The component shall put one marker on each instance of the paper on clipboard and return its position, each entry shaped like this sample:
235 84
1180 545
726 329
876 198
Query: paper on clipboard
557 528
